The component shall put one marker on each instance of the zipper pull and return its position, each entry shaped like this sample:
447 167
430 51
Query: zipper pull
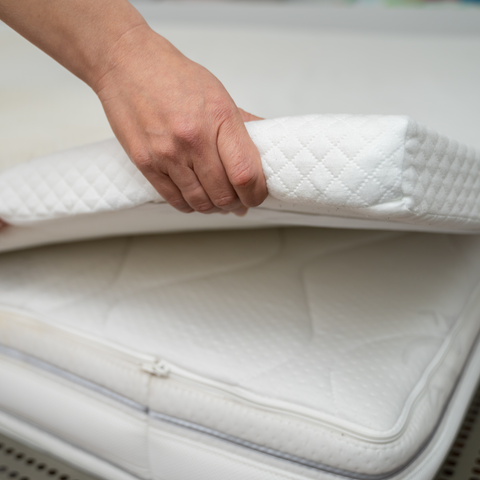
159 369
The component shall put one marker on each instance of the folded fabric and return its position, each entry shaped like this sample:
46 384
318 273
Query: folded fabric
351 171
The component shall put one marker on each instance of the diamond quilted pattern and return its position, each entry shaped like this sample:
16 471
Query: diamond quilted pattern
360 166
339 160
441 177
96 178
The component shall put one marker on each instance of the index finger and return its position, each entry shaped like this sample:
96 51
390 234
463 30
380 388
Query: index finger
242 162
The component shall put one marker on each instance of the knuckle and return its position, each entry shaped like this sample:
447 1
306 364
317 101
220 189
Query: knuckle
147 159
243 177
198 199
166 150
187 131
142 158
203 207
247 180
222 110
225 201
192 188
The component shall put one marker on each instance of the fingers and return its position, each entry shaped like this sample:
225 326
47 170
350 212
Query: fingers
179 185
191 189
211 173
205 186
169 191
241 161
207 172
212 176
181 128
191 175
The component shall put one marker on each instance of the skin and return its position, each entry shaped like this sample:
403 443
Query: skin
174 119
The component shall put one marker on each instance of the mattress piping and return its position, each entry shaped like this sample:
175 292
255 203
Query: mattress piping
35 362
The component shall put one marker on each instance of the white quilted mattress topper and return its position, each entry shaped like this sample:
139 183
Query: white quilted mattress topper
338 349
322 170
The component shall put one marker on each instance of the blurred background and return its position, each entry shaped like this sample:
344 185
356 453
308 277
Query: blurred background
364 2
276 58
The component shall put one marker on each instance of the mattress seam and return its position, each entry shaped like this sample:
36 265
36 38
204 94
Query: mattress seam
304 462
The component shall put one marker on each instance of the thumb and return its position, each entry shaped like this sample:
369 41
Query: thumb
242 162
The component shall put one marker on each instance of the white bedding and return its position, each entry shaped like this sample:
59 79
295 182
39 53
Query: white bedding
321 170
324 350
278 354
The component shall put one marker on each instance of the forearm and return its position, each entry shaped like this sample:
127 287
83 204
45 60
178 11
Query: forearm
82 35
174 119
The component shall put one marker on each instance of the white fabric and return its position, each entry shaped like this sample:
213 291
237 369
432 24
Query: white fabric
75 306
345 66
69 412
177 454
336 347
371 168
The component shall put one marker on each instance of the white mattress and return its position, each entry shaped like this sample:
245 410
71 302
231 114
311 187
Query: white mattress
321 170
303 351
276 354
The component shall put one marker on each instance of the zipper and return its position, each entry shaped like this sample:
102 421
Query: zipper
461 392
165 370
169 372
159 368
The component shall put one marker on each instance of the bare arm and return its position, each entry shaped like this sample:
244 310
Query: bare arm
174 119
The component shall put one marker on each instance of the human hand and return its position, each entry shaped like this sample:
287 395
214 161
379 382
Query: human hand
180 127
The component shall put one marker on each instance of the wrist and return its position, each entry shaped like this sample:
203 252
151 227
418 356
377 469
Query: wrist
115 54
126 55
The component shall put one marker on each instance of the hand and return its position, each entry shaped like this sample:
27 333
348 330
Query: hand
180 127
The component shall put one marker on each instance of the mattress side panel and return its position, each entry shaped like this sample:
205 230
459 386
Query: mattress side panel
441 180
77 415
